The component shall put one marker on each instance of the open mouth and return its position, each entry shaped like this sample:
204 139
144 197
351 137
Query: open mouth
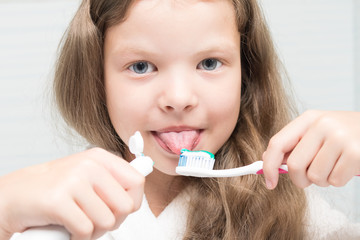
174 141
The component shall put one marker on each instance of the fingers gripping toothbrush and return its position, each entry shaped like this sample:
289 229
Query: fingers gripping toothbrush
141 163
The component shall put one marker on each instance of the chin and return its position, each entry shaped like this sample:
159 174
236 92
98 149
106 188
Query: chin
168 172
167 168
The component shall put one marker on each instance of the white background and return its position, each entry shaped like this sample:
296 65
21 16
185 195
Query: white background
318 40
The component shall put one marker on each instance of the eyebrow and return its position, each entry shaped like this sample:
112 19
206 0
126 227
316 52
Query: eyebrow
143 51
132 50
227 48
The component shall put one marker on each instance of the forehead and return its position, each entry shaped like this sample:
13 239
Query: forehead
182 22
151 8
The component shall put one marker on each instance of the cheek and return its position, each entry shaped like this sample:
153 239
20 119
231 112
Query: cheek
226 111
124 110
223 115
226 101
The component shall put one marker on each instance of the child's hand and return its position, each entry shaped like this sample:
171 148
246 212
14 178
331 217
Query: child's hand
88 193
319 147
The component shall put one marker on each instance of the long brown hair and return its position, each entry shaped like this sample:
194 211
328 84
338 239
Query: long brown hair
228 208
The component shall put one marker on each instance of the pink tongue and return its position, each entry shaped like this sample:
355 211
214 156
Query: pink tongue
175 141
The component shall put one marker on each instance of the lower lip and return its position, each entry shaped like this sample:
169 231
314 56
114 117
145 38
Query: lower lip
167 149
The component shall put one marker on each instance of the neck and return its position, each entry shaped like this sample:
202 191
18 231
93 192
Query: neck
161 189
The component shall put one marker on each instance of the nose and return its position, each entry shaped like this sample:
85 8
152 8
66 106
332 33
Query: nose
178 93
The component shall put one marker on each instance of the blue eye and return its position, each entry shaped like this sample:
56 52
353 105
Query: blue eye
142 67
209 64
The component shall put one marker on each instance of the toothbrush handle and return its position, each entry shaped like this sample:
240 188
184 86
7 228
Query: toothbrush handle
53 232
282 170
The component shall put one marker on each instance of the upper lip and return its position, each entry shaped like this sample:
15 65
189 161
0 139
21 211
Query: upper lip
178 129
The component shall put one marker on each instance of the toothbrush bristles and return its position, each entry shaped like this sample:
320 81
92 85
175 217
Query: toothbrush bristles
196 159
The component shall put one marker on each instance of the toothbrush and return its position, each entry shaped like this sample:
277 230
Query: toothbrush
201 163
141 163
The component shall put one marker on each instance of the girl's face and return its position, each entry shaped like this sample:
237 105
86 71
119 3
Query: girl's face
172 72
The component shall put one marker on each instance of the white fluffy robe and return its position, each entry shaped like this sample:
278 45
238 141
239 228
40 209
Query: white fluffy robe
170 224
322 222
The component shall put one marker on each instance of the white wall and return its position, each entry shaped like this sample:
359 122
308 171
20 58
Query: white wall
356 11
318 40
29 34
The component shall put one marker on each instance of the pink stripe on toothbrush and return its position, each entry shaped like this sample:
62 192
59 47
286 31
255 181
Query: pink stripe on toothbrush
281 171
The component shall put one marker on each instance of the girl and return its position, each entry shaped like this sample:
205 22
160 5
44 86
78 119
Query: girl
194 74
